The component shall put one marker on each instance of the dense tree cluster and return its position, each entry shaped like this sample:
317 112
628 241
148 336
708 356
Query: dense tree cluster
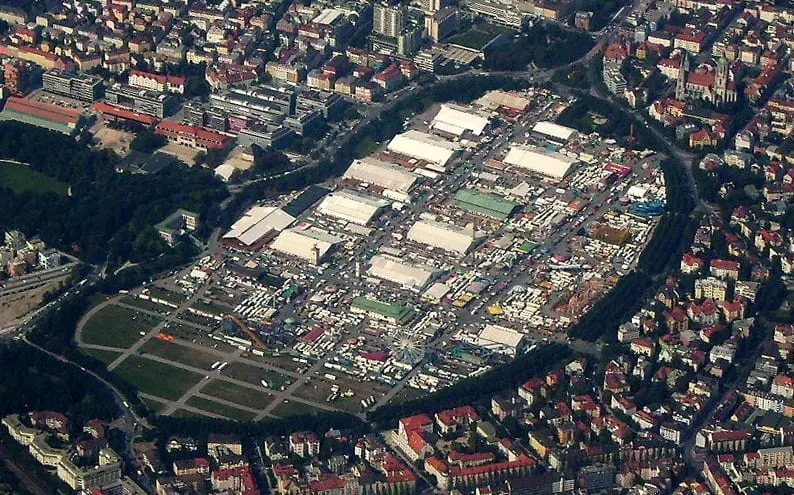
603 318
147 141
545 45
34 381
574 76
107 215
9 485
667 244
709 183
200 427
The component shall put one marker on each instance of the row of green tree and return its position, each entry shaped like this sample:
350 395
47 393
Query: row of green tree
670 238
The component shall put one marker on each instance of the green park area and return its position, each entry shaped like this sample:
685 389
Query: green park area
154 405
180 354
220 409
293 408
184 413
254 375
106 357
257 399
115 326
21 178
156 378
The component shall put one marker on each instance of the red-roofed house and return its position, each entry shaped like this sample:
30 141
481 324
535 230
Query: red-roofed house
691 263
240 480
120 114
725 269
783 385
192 136
157 82
532 390
449 420
186 467
410 436
690 40
390 78
304 444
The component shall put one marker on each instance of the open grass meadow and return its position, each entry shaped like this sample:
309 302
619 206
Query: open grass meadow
21 178
156 378
115 326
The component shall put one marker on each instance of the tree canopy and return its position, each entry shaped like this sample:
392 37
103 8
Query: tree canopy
108 215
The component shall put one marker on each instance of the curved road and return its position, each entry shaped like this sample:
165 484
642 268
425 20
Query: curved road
127 413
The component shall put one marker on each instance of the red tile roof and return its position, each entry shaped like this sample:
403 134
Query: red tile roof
123 113
43 110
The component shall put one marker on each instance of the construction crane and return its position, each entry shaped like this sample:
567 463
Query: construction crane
255 340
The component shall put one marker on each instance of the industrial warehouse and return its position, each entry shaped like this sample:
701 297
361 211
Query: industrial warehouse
554 132
306 242
395 270
257 227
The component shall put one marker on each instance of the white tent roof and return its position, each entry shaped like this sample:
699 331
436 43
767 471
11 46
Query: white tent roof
554 130
302 241
457 120
541 161
258 222
351 206
495 99
423 146
401 272
441 235
436 291
383 174
225 171
499 336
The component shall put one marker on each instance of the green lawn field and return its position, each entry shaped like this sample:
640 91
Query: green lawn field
257 399
106 357
22 178
115 326
291 408
255 375
218 408
181 354
156 378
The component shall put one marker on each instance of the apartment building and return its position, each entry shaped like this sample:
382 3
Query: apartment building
81 87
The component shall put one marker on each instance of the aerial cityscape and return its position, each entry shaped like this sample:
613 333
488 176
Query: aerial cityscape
391 247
